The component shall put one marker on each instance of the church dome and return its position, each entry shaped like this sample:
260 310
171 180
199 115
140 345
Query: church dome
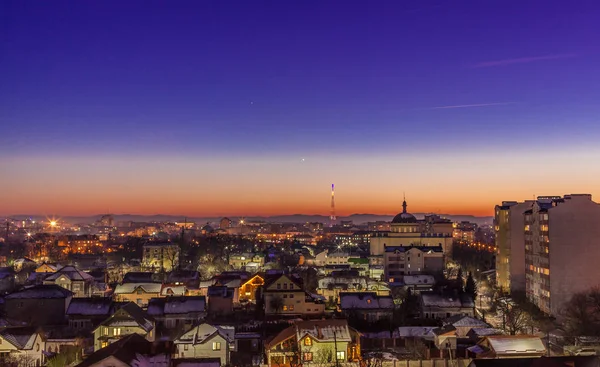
404 217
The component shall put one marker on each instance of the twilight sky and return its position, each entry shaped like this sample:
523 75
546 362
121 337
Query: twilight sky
256 107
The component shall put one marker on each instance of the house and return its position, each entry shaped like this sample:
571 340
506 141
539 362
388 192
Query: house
317 342
61 339
7 280
233 280
128 319
508 346
207 341
410 260
249 287
477 334
169 290
160 256
140 293
131 350
21 346
73 279
284 296
438 306
220 300
240 261
177 313
141 277
189 278
47 268
319 259
25 305
23 263
366 305
419 283
86 313
445 339
464 324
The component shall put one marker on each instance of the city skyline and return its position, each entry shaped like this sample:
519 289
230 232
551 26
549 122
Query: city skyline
204 110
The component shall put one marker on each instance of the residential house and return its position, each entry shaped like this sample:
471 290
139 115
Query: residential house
60 339
477 334
220 300
160 256
23 263
7 280
189 278
440 306
317 342
47 268
131 350
169 290
319 259
418 283
366 305
25 305
445 340
177 313
249 288
284 296
73 279
464 324
233 280
207 341
241 261
141 277
85 314
508 346
410 260
140 293
21 346
128 319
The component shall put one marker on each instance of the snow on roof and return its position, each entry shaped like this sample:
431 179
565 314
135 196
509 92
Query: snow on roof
203 332
176 305
324 330
510 344
72 273
419 280
173 290
431 299
465 321
488 331
41 291
131 287
90 306
365 300
20 337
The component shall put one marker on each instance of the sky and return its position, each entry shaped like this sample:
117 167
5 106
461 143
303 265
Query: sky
256 107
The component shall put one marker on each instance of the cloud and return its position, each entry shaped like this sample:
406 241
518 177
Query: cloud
471 105
522 60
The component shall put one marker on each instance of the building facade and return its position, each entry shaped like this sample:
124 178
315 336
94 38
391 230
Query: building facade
412 260
561 246
160 257
509 224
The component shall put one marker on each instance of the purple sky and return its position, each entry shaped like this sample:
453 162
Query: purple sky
216 83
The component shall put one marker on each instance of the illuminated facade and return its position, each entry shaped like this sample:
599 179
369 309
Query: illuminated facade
510 243
406 230
160 256
561 248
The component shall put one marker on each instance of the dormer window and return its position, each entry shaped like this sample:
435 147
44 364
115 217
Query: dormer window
369 301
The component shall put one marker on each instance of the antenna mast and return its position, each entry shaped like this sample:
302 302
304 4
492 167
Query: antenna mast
332 218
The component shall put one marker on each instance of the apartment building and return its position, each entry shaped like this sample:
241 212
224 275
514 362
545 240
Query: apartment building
561 249
410 260
160 257
509 224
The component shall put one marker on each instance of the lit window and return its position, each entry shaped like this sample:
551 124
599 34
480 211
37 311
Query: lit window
307 356
285 308
216 346
291 307
308 341
341 356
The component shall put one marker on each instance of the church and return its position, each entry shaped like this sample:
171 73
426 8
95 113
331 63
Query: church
407 230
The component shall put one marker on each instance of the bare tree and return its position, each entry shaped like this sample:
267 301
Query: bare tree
514 317
582 314
276 303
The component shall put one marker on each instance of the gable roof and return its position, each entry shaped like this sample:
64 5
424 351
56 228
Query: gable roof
176 305
511 344
271 280
130 312
45 291
90 306
205 331
70 272
365 301
320 330
20 337
127 288
465 321
124 349
173 290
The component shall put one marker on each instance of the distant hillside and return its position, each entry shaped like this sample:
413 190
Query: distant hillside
294 218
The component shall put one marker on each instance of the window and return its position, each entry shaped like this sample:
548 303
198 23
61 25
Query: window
185 347
104 344
291 296
341 355
278 286
138 301
291 307
284 285
307 356
285 296
308 342
285 308
117 331
139 291
216 345
105 331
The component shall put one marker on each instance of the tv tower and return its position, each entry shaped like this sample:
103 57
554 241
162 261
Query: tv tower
332 218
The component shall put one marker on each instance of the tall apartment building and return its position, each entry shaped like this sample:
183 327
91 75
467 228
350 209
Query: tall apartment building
509 224
562 249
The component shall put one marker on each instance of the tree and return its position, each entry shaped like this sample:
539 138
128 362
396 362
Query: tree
276 303
460 280
471 287
582 314
514 317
